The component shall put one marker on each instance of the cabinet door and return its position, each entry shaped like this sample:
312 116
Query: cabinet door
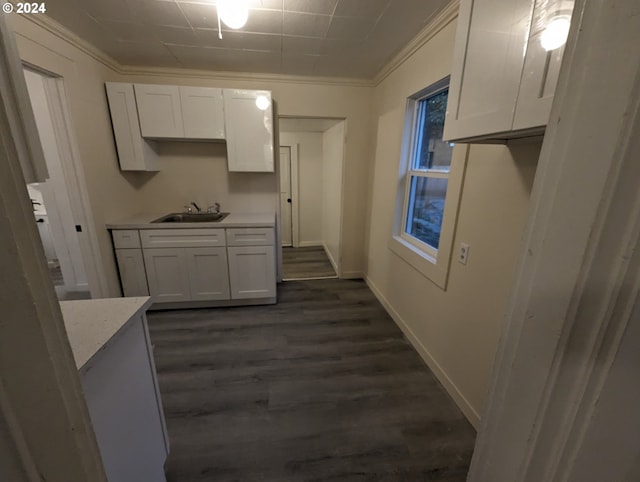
159 111
132 274
541 68
133 152
202 112
208 273
252 272
167 274
249 130
487 64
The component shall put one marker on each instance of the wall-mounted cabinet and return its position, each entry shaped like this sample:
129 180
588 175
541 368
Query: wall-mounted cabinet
134 154
503 79
141 112
159 111
173 112
202 112
249 124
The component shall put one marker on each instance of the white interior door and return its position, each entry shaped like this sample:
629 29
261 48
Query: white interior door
285 196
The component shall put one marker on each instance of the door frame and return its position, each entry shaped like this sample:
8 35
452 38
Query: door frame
71 163
45 428
295 210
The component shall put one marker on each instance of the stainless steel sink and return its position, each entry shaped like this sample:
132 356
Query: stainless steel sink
191 218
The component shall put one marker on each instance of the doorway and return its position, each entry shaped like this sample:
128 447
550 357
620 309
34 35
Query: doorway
311 163
59 225
286 193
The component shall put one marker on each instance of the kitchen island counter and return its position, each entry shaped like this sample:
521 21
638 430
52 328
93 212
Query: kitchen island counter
110 342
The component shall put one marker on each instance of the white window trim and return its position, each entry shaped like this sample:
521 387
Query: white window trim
431 263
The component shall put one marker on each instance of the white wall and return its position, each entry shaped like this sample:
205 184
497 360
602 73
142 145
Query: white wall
197 171
310 182
332 195
456 330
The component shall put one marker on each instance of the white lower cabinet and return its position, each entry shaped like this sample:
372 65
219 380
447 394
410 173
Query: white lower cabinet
132 274
197 264
252 272
208 273
167 274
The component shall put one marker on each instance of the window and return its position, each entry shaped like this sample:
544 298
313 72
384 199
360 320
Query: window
431 178
428 174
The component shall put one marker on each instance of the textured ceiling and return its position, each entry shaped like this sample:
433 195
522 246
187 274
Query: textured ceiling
336 38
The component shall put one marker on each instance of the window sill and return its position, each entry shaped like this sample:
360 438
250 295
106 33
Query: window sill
433 269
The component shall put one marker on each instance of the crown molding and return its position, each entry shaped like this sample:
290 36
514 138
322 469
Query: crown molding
63 33
241 76
439 22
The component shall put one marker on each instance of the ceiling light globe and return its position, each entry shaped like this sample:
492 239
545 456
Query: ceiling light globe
555 34
234 13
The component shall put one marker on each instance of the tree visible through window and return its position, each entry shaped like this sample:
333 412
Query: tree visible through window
428 173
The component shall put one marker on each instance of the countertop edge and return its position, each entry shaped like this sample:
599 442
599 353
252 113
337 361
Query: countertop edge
82 359
234 220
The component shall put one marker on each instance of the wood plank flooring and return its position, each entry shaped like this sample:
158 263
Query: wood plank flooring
306 263
320 387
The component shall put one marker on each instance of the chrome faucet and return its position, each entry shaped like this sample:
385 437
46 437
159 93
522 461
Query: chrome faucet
196 206
214 209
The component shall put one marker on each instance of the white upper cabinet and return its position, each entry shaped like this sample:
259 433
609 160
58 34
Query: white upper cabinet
159 111
249 128
502 80
202 112
173 112
134 153
541 67
142 114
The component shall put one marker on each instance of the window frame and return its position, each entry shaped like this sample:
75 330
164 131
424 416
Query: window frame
430 262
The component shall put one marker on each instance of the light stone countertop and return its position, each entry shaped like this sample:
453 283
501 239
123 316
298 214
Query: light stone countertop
92 324
233 220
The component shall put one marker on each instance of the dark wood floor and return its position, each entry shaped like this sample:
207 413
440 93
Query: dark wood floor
320 387
306 263
56 275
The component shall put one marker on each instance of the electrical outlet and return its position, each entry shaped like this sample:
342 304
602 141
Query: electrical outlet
463 254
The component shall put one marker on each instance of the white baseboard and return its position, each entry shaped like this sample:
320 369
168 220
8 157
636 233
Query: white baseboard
309 244
464 405
331 260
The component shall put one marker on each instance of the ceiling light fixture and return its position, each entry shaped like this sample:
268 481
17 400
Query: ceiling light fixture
555 33
234 13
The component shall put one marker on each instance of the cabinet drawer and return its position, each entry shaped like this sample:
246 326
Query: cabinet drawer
125 238
250 237
182 238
